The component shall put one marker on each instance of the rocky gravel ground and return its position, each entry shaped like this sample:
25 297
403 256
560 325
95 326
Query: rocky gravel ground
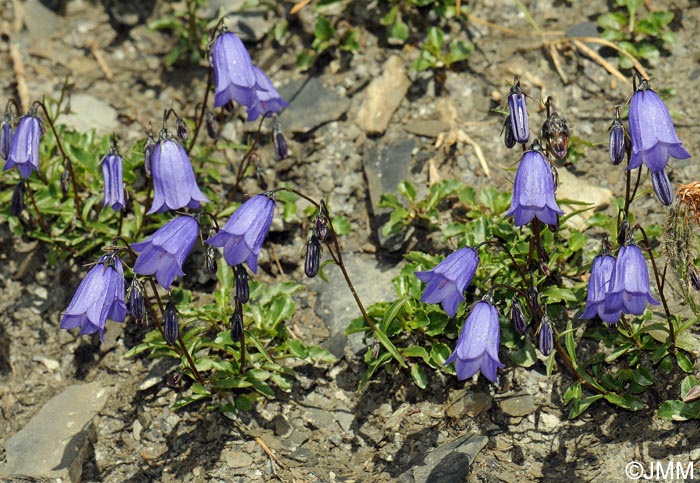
357 124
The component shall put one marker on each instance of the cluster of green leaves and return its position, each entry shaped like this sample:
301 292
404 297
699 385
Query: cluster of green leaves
640 35
329 34
206 331
620 363
190 30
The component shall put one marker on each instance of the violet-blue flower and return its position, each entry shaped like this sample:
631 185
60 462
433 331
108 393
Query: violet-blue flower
447 282
164 252
24 151
267 97
478 343
662 186
653 135
244 233
598 285
518 113
234 77
100 296
113 173
617 146
629 289
533 190
174 183
6 135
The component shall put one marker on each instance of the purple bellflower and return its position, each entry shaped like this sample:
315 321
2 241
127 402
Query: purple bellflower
6 135
652 132
518 113
447 282
100 296
618 144
244 233
598 285
478 343
173 177
234 76
113 172
629 289
24 151
662 186
164 252
533 190
267 97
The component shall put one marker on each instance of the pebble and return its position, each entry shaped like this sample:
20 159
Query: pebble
383 96
548 422
237 459
518 406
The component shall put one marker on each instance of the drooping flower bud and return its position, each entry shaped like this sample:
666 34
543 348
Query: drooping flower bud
555 131
278 139
148 153
135 303
313 256
517 317
210 259
242 289
694 277
518 113
624 231
546 342
662 187
321 227
65 182
181 129
17 204
171 331
617 147
212 125
508 138
6 135
237 324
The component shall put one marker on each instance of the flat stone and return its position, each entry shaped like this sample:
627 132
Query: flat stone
237 459
575 189
88 112
548 423
429 128
336 306
40 21
467 403
310 105
518 406
449 463
383 96
55 442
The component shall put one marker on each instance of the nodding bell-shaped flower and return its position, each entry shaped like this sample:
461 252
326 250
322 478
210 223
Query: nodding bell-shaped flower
629 289
617 146
113 173
6 135
244 233
533 190
174 183
653 135
598 285
234 76
100 296
662 187
312 259
447 282
478 343
267 99
24 151
164 252
518 113
546 339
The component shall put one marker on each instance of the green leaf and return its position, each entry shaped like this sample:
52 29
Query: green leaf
406 189
323 30
418 376
679 411
439 353
573 392
684 362
559 294
416 351
578 406
392 313
612 21
631 403
389 346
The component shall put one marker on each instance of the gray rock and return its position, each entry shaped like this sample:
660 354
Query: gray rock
518 406
310 105
468 403
40 21
88 112
448 463
383 96
336 305
55 442
575 189
384 168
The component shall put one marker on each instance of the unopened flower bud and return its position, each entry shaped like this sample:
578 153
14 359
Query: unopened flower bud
517 317
242 289
210 259
212 125
237 324
170 323
136 303
555 131
278 139
260 175
662 187
694 277
65 182
624 230
313 256
508 137
321 227
518 113
617 146
17 204
181 129
148 153
546 342
6 135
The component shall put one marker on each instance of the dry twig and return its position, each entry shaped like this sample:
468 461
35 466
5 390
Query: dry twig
97 54
18 65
